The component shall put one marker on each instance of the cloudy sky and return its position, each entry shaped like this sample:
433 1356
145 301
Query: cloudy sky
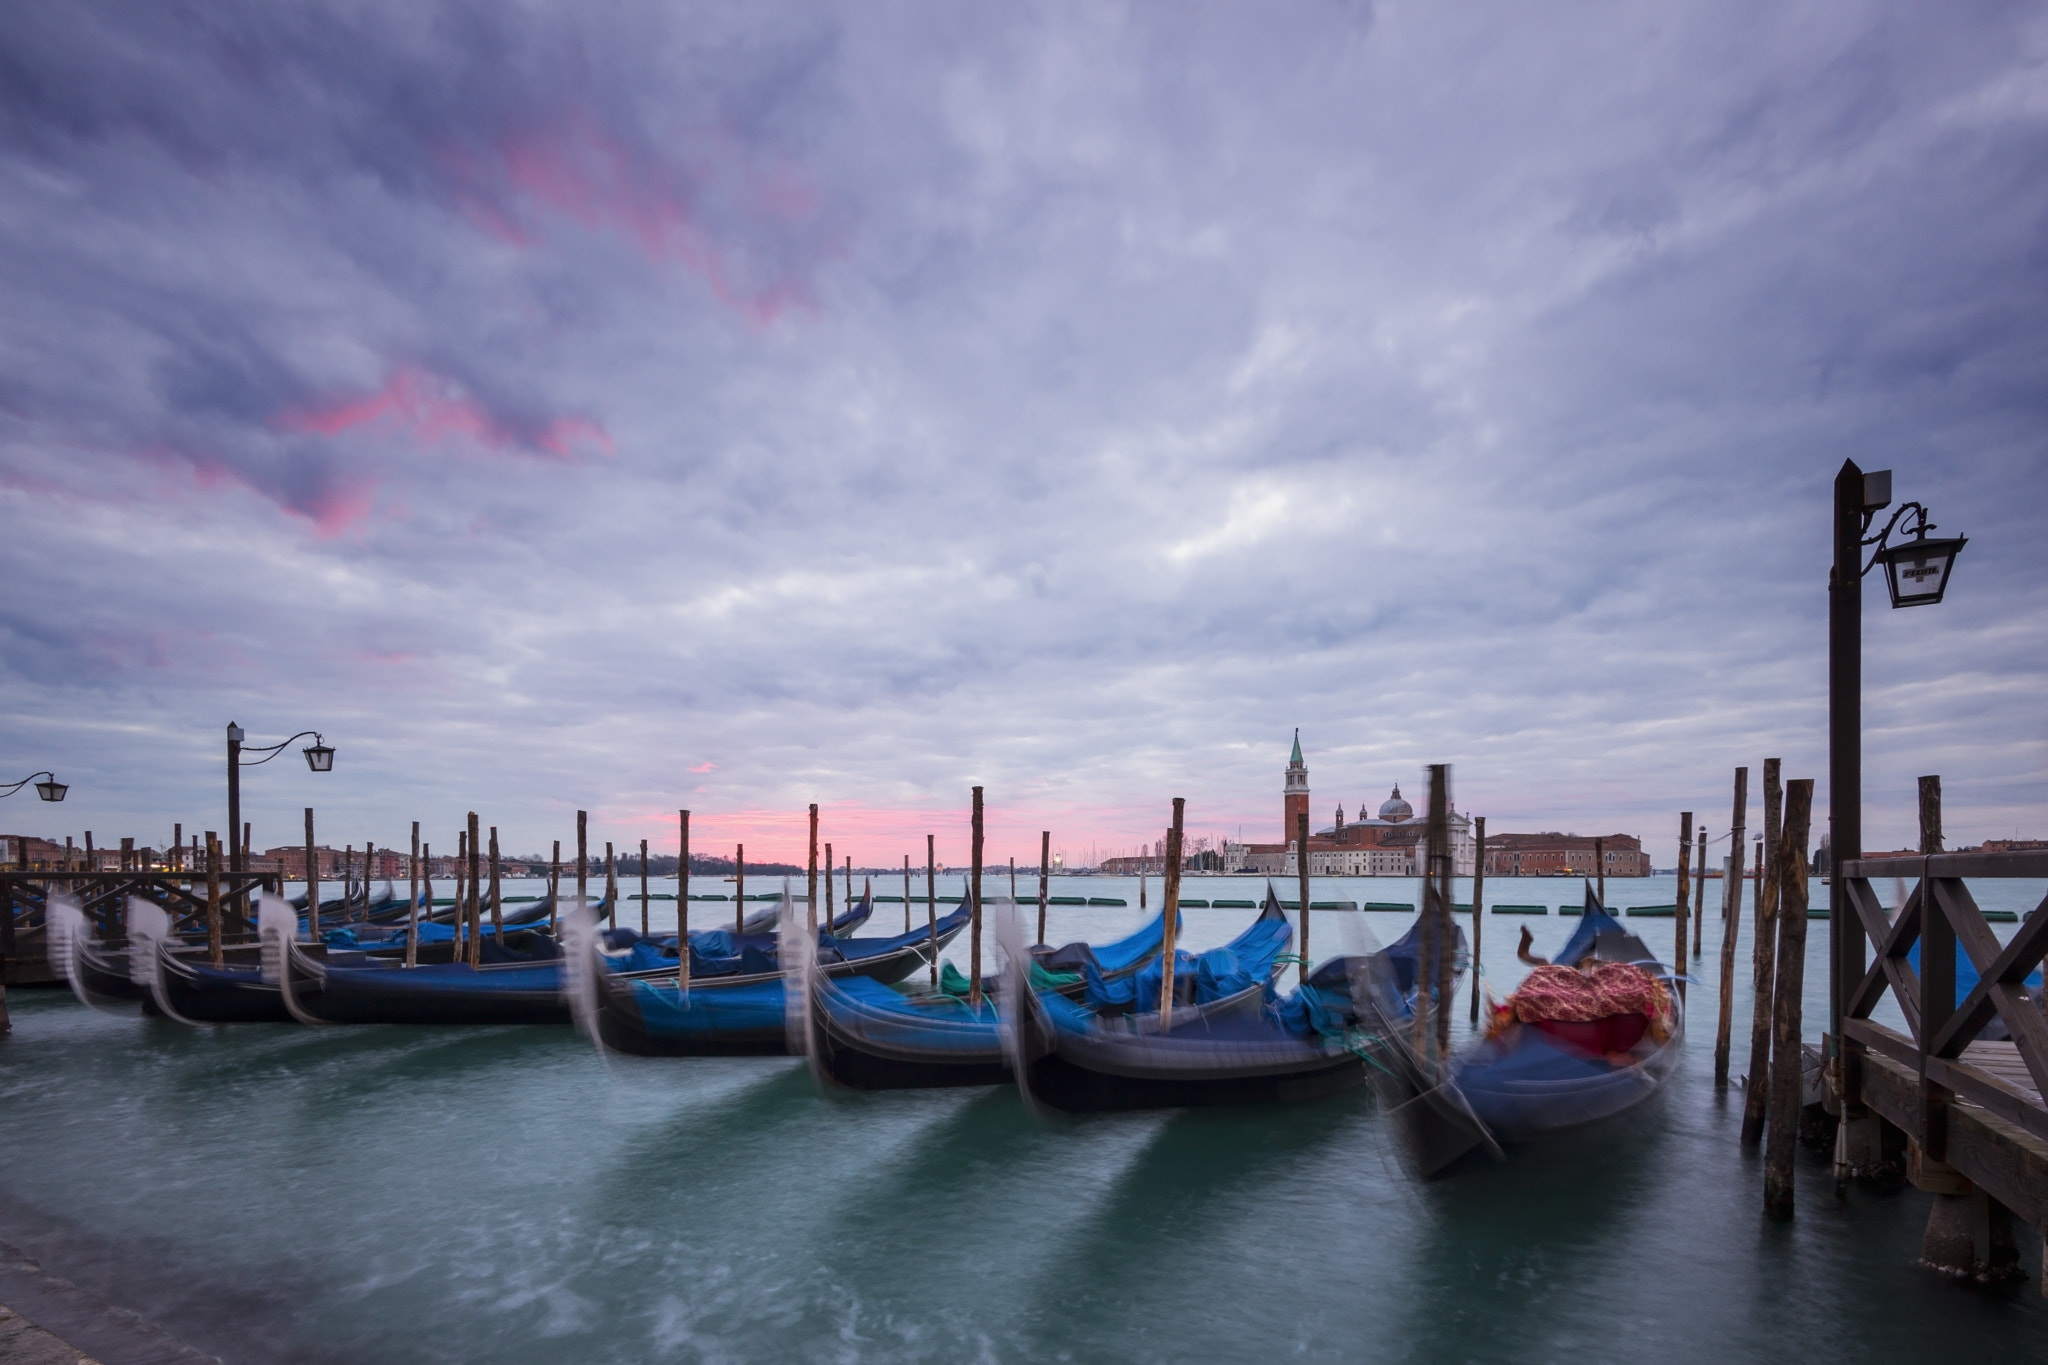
738 406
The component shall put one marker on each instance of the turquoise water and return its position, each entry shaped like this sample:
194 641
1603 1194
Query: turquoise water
404 1194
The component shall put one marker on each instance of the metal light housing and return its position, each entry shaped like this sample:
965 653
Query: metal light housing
319 756
1917 572
52 790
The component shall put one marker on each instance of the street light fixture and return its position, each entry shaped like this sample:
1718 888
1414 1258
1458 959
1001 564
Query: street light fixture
1917 573
50 789
319 758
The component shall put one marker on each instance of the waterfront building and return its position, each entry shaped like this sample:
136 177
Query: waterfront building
1389 844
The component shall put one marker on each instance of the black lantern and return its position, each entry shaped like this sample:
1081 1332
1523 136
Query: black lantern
319 756
50 789
1917 571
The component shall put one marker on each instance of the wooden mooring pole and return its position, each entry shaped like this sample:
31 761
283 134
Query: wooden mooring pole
582 859
1699 898
312 880
643 889
1731 923
1681 912
213 951
1447 926
460 919
739 888
1782 1113
1044 879
412 904
426 866
906 893
828 885
931 902
683 900
554 886
1478 902
811 879
1600 869
1763 962
974 914
1170 899
476 906
497 899
611 887
1301 885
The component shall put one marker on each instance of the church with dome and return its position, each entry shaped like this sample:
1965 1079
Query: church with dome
1387 844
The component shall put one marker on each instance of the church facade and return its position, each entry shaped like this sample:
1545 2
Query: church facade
1391 843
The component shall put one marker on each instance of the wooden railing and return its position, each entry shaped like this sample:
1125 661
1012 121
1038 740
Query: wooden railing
104 896
1943 1064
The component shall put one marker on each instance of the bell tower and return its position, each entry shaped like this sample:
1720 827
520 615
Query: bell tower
1295 802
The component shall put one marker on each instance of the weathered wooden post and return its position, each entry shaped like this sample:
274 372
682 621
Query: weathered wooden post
849 881
643 889
906 893
811 883
1013 879
830 914
177 847
974 913
245 845
1763 973
683 899
497 898
554 886
1681 912
1731 923
426 865
931 902
1478 902
128 854
312 880
582 859
213 952
1170 900
476 909
1447 925
1044 878
412 912
1301 883
739 888
1782 1123
1699 898
1600 868
611 887
459 921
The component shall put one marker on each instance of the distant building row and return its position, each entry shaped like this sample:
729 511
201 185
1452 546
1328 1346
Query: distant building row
1392 844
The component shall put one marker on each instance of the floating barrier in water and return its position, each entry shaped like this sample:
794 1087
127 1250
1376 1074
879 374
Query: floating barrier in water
1403 907
1188 903
1233 905
1521 909
1651 911
1066 900
1107 900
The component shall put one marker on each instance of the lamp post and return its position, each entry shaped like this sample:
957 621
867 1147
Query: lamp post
50 789
319 758
1916 573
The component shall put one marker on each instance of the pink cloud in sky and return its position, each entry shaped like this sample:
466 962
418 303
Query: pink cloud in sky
705 767
579 170
333 504
434 408
880 836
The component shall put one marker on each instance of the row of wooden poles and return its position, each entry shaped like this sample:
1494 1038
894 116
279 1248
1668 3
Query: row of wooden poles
1771 1091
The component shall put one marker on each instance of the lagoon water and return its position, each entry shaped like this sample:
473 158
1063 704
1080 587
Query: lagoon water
407 1194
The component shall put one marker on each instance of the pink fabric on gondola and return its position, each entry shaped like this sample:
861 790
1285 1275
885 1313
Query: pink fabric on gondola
1557 993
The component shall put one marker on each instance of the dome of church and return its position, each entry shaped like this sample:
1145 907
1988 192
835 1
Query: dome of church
1394 808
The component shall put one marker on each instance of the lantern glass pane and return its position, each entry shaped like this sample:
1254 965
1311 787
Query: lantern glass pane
320 758
1918 578
52 790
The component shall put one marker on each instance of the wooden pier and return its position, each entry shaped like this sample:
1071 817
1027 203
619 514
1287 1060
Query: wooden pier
1965 1112
104 897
